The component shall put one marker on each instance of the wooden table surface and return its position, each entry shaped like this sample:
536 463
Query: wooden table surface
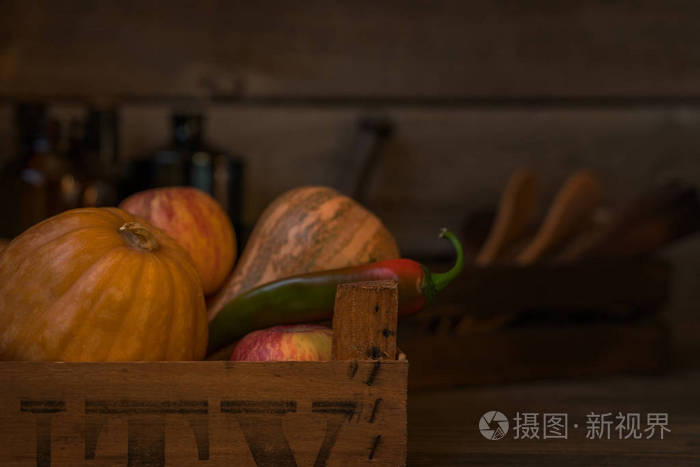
443 424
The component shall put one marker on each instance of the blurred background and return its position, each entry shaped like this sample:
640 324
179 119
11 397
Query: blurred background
423 111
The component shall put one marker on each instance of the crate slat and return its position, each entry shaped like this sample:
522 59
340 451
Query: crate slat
182 413
365 321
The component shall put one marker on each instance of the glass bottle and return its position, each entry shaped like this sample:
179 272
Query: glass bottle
37 183
189 161
99 154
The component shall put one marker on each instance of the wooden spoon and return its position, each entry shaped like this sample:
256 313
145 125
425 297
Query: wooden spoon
641 225
515 212
571 208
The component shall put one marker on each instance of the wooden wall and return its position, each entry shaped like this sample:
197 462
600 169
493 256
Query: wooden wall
392 48
475 88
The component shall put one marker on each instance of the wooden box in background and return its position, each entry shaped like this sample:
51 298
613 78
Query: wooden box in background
541 322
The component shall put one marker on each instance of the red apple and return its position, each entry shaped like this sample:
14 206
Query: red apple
197 222
295 342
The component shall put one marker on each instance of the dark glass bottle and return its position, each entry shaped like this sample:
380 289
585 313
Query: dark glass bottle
38 183
188 161
99 155
29 118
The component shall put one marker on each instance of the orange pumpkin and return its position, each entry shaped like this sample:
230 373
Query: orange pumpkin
99 284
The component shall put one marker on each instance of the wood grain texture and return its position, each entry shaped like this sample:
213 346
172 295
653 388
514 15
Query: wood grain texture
444 424
214 413
350 48
365 318
535 353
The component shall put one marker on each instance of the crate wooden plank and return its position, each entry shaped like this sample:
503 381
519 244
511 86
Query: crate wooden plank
365 321
351 48
536 352
214 413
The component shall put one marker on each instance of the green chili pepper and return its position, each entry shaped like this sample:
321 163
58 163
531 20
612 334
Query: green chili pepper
310 297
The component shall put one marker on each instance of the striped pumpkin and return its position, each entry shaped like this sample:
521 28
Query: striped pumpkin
305 230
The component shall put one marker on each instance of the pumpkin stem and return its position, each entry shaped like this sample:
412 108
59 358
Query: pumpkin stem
139 236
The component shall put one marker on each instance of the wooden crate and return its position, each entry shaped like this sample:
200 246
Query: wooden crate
578 320
349 411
